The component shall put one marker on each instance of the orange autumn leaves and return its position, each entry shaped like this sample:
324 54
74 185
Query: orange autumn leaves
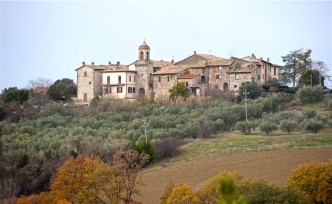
87 179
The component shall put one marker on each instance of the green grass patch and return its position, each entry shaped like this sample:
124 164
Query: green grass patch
236 142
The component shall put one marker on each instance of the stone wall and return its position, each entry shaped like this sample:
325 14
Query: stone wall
162 84
86 84
237 79
144 77
215 83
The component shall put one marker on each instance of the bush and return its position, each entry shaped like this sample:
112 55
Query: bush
310 94
147 148
268 126
288 125
246 126
261 192
166 147
254 90
313 125
314 180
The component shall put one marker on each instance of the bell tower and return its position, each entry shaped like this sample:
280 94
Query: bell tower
144 52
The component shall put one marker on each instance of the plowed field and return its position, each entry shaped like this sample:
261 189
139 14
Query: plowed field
271 166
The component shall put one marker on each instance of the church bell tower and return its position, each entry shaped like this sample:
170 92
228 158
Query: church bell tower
144 52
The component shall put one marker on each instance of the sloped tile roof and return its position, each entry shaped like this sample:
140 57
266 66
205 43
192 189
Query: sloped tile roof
220 62
188 76
171 69
243 70
209 57
160 63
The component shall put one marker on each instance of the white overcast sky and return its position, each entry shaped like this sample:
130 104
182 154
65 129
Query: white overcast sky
51 39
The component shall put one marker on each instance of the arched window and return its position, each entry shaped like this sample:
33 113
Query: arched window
159 78
147 55
141 56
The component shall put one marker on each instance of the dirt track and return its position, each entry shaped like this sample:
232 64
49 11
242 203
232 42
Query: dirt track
271 166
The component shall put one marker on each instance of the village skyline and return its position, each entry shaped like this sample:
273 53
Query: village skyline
51 39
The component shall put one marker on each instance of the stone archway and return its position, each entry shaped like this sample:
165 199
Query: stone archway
225 87
141 93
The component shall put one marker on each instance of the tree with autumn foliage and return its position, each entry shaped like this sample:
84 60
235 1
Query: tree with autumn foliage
127 164
182 195
84 179
314 180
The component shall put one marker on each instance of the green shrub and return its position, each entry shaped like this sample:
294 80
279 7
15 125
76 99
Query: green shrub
313 125
244 127
310 94
261 192
268 126
147 148
288 125
254 90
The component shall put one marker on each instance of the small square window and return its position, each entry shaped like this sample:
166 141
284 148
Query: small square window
235 86
218 76
119 90
237 76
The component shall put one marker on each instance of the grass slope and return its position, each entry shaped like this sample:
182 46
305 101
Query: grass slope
259 157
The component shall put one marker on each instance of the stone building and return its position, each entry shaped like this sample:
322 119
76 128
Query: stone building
203 74
89 78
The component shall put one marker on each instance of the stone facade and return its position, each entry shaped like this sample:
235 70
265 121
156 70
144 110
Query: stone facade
201 73
88 82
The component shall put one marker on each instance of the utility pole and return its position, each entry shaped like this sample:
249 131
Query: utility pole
245 98
145 126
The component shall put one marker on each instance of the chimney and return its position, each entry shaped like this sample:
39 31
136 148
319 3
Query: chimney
117 63
172 61
83 63
109 63
194 52
268 59
253 55
92 63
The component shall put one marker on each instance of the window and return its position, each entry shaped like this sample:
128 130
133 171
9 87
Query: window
110 90
119 79
106 90
275 71
130 90
141 55
187 84
85 74
108 79
134 78
119 90
129 78
237 76
147 55
220 67
218 76
159 79
235 86
167 78
134 90
259 77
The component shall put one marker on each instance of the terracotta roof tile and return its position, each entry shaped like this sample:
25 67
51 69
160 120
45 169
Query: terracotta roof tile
209 57
188 76
160 63
220 62
171 69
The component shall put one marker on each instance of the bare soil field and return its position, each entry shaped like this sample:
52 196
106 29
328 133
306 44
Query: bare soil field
271 166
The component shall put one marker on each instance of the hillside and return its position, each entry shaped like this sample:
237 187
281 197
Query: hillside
272 166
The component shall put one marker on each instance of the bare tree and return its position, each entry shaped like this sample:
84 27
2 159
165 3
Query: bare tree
39 82
323 70
127 164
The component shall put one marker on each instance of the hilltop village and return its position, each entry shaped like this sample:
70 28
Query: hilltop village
202 74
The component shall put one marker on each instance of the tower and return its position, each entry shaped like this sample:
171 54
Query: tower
144 52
